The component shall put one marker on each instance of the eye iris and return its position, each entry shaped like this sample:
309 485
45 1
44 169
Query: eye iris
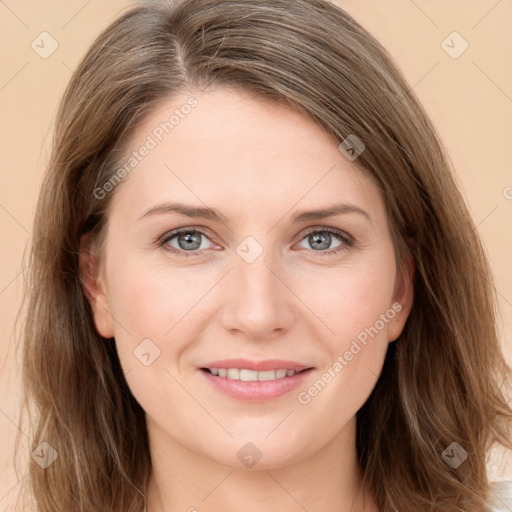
189 237
323 240
191 240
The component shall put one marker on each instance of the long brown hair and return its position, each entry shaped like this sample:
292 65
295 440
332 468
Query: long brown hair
444 379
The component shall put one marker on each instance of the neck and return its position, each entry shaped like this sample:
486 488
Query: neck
326 479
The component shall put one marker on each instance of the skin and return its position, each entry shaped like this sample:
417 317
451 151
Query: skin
258 163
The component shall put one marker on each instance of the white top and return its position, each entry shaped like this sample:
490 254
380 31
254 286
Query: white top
501 499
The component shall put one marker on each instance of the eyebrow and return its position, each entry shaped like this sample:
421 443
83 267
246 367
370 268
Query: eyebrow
186 210
215 215
338 209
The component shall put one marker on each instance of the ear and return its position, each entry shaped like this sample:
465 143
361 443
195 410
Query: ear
403 298
93 284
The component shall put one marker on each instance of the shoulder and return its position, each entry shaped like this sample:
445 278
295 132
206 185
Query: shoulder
500 499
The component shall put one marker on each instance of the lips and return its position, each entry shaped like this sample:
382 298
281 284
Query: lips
258 366
269 384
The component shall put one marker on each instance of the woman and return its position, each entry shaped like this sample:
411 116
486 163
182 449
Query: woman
260 288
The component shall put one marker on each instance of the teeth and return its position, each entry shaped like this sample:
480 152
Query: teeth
233 373
248 375
268 375
251 375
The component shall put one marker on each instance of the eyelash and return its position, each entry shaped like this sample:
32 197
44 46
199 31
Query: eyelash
347 241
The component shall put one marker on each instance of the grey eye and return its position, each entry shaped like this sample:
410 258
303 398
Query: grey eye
187 240
320 240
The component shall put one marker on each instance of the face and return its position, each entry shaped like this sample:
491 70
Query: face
252 277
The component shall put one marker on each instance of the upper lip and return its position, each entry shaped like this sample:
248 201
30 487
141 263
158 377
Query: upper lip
259 366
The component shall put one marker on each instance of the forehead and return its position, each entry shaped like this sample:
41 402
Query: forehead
234 151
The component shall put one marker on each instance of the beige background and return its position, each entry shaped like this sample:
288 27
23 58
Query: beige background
469 99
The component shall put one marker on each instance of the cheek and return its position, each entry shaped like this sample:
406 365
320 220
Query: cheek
151 311
353 306
151 299
147 303
350 298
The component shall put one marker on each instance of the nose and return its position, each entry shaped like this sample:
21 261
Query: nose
258 301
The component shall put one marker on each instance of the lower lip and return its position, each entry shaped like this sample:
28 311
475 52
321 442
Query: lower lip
256 391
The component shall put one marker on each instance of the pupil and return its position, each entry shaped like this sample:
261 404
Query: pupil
189 238
317 238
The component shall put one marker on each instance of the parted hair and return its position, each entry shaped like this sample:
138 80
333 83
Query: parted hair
445 379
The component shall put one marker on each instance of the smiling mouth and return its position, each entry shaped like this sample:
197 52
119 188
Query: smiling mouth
252 375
